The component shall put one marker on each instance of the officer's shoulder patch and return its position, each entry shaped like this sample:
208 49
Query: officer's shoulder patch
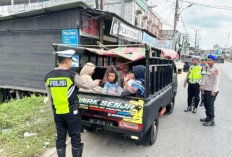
216 72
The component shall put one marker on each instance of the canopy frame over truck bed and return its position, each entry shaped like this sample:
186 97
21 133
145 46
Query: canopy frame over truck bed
160 68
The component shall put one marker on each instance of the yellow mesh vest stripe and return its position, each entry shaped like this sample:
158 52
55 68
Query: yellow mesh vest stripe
59 87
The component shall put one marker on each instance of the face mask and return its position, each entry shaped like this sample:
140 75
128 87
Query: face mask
75 64
75 61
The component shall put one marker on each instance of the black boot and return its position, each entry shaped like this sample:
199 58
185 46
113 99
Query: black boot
77 152
209 123
196 105
201 103
194 110
202 100
61 152
189 108
204 119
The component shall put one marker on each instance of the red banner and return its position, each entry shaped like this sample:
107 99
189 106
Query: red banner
89 25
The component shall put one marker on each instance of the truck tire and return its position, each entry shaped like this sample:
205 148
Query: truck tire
149 138
179 71
90 129
170 106
154 132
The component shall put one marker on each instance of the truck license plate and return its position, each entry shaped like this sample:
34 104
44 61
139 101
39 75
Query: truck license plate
100 122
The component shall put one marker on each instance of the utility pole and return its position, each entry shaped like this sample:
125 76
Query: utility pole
184 42
175 24
195 40
101 24
227 44
120 41
97 5
123 9
101 5
197 33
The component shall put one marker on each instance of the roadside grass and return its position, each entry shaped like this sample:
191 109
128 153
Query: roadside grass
19 118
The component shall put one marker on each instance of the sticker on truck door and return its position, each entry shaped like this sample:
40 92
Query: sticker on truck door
136 113
129 112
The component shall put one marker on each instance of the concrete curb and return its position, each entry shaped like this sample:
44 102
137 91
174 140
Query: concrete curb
52 151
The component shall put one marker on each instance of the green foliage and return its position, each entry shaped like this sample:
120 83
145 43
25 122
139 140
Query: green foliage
25 115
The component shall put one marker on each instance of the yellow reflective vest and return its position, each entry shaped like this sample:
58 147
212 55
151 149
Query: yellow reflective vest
195 74
63 91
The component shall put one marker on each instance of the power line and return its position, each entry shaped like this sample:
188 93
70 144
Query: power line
192 18
165 2
171 6
170 1
183 23
169 15
209 6
164 20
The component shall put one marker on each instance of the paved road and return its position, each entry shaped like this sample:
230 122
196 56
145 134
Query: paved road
180 134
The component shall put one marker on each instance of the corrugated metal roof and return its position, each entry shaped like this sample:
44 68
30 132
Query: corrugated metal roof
8 2
66 7
45 10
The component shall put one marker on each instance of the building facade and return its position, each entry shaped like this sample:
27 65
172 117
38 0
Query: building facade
135 12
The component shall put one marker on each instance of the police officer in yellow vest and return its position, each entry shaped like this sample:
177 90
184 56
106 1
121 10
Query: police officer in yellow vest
193 79
62 86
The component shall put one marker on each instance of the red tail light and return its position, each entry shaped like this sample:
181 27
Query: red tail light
131 126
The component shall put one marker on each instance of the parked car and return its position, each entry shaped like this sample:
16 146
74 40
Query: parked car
187 59
179 66
220 59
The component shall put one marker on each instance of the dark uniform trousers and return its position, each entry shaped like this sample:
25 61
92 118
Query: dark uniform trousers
209 104
193 91
68 123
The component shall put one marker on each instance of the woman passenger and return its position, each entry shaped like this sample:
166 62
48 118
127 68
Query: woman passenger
137 86
86 75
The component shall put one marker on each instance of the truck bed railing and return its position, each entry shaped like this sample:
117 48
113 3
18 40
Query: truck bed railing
160 77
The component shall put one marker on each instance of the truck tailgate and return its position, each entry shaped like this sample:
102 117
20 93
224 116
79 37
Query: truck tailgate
111 111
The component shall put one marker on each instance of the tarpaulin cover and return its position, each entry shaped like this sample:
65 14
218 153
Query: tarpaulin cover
130 53
169 54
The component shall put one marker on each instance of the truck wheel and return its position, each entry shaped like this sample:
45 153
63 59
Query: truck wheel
153 131
149 138
90 129
170 106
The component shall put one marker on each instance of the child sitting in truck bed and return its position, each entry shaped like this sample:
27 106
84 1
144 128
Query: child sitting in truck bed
112 86
137 86
128 80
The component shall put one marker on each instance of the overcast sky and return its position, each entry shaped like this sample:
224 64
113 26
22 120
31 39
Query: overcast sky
215 25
